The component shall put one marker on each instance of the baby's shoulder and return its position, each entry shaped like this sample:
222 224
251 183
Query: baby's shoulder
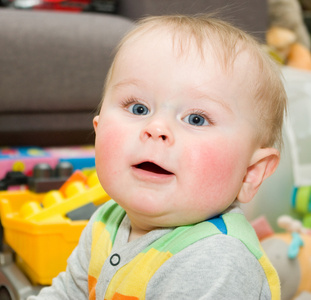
219 264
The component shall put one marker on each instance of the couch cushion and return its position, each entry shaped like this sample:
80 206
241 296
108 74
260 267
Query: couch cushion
250 15
55 62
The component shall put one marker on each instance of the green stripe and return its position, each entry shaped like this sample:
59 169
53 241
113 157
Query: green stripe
183 236
241 229
111 214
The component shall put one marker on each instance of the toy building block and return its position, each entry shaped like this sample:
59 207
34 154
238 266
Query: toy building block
39 229
13 178
45 179
82 213
80 157
23 159
56 203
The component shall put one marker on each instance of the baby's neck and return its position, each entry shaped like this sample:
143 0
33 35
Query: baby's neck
136 233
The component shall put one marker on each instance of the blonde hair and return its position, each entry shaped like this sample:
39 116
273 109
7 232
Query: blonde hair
226 42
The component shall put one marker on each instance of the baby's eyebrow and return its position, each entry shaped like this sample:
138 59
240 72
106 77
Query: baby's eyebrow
198 94
129 82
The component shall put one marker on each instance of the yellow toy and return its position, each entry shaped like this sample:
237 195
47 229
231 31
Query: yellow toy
37 228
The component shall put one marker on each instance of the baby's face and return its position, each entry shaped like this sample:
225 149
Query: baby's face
175 135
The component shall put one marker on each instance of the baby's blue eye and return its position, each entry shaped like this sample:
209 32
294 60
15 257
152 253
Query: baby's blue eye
196 120
138 109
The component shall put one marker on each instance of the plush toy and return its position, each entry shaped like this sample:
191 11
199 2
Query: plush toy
288 14
287 36
306 4
290 254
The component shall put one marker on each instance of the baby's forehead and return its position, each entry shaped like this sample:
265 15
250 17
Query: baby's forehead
180 41
187 44
142 49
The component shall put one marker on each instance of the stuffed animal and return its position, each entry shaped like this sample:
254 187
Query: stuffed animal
306 4
288 14
290 254
287 36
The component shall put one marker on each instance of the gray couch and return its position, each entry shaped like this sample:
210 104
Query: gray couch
53 64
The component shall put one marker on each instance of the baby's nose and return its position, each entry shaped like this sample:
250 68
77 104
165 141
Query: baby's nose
157 130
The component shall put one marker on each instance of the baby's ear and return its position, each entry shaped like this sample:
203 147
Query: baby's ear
263 164
95 122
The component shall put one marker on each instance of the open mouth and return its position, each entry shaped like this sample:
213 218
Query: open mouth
153 168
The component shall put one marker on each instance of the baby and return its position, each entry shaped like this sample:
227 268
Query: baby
189 126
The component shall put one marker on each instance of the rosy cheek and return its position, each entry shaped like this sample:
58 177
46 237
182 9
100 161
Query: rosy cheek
213 169
109 147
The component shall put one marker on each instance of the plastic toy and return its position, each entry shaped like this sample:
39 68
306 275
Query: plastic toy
14 285
290 253
44 178
24 159
79 157
38 229
13 178
301 203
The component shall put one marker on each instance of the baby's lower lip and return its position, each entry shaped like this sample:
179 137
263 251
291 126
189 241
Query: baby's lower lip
152 174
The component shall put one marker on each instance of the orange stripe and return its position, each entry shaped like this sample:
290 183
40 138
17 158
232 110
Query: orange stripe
92 281
118 296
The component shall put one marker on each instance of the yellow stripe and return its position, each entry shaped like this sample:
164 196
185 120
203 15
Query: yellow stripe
132 279
101 248
272 277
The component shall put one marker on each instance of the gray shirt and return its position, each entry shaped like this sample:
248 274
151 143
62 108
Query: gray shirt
217 267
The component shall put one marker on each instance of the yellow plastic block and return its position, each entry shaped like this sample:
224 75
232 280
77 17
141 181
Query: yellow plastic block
37 229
